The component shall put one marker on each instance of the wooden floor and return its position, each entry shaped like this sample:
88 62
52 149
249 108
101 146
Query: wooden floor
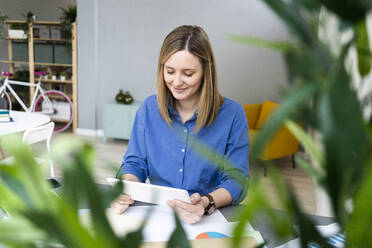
109 156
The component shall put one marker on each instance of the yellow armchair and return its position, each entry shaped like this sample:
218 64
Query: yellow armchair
282 144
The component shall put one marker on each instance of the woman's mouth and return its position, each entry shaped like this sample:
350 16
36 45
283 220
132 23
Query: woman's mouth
179 90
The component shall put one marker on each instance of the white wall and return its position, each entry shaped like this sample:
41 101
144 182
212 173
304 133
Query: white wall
119 42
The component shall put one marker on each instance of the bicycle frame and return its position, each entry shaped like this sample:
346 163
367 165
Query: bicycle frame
7 83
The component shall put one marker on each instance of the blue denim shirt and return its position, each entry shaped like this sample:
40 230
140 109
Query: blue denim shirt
159 152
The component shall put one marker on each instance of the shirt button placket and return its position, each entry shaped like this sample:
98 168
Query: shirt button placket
183 150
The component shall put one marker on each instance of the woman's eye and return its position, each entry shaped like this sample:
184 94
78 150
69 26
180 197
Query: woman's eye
170 72
188 74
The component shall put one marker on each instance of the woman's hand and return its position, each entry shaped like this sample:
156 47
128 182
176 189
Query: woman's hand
121 203
189 212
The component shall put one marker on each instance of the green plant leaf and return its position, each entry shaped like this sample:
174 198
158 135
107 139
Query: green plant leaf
133 239
363 47
306 141
339 113
282 46
18 231
359 230
79 185
64 228
178 237
316 174
27 171
308 233
257 205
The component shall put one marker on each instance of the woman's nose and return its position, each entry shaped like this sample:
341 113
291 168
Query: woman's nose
177 80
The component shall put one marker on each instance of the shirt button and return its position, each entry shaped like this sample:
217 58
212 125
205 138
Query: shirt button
183 150
181 170
185 130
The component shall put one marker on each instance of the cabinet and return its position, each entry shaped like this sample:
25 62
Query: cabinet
46 51
118 119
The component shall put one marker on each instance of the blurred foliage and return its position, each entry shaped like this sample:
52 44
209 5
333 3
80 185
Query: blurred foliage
67 18
38 217
323 98
29 18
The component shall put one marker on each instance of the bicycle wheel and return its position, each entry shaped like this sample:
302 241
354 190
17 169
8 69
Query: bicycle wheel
5 102
61 110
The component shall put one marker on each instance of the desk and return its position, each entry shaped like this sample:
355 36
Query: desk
22 122
230 214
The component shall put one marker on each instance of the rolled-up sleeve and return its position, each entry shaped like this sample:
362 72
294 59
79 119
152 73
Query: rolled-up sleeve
135 159
234 178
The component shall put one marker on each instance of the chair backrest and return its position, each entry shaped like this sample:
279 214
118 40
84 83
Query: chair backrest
38 134
267 109
252 112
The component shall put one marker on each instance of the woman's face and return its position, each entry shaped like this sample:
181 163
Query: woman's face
183 74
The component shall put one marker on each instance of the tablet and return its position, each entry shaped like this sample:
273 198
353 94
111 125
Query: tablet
150 193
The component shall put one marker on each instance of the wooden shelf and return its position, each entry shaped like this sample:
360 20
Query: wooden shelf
55 81
13 62
32 64
36 63
58 120
35 23
21 39
14 21
58 97
53 64
54 40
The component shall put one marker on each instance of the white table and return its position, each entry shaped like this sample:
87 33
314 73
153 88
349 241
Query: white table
22 122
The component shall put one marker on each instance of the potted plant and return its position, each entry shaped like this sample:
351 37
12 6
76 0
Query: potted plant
62 76
67 18
20 30
54 76
30 18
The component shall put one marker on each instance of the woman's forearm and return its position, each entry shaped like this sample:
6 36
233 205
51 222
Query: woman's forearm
220 196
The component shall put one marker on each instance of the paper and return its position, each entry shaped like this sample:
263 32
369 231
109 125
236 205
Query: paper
161 224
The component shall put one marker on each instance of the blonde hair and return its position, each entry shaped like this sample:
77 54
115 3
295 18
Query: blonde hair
194 40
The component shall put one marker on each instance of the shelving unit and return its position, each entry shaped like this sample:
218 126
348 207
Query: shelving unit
70 84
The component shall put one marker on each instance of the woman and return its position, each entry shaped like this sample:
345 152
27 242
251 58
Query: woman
188 100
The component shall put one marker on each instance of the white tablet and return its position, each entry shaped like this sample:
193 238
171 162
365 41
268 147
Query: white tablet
150 193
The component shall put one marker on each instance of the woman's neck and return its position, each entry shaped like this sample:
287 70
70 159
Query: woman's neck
186 106
186 109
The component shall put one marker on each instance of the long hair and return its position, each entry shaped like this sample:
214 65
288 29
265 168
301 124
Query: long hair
194 40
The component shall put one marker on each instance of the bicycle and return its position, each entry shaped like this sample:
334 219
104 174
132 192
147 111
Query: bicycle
54 103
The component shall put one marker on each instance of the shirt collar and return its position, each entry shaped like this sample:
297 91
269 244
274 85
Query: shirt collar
174 114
